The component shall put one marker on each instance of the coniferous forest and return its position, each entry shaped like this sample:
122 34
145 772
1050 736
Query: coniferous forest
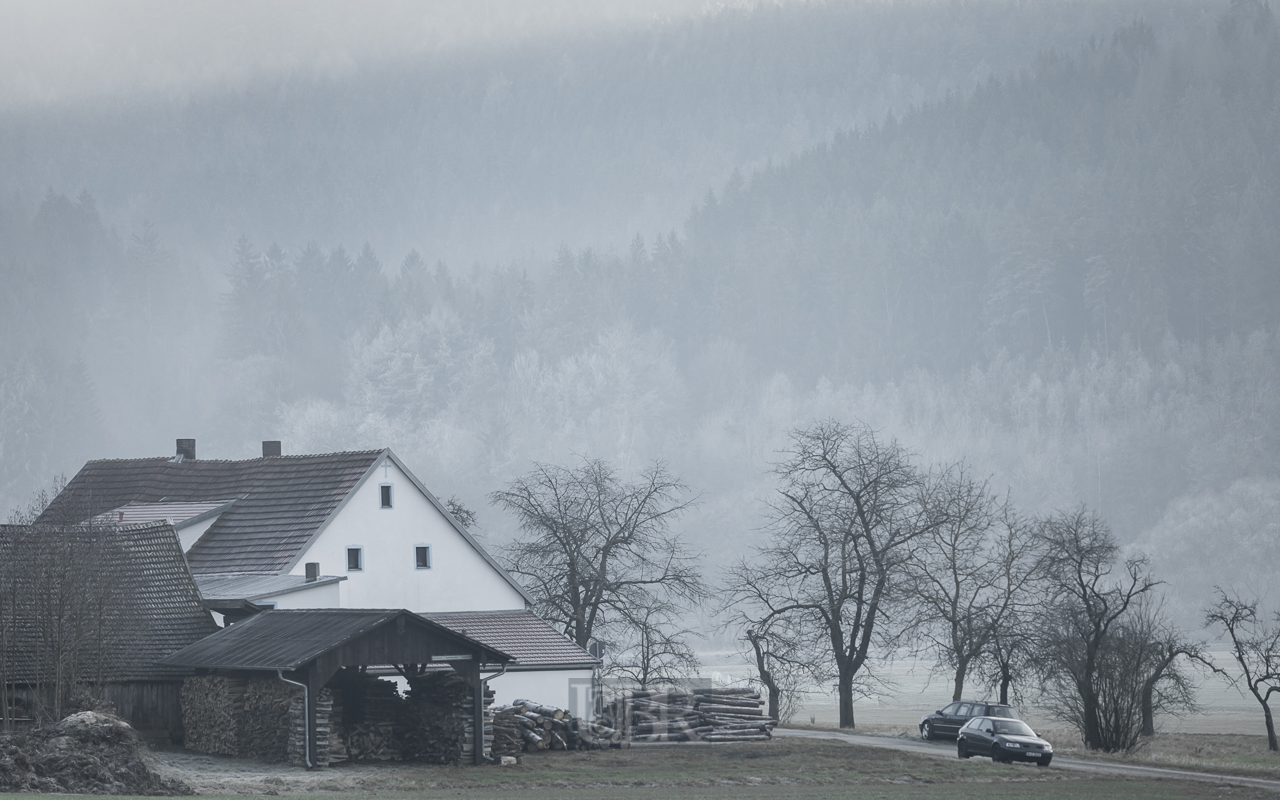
1041 238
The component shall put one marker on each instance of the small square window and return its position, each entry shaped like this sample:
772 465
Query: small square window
386 495
422 556
355 559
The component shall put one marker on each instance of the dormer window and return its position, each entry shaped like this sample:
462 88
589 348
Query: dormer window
385 495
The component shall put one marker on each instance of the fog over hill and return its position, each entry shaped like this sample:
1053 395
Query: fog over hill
679 240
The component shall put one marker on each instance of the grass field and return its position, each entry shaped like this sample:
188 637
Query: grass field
799 769
1227 753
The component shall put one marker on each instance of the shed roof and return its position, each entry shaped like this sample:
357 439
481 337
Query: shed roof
256 587
146 596
288 639
523 634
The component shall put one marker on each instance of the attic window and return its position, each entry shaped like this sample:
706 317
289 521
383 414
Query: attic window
355 559
422 556
385 492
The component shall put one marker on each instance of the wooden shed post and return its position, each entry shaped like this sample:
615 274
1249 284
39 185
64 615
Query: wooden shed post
315 684
477 709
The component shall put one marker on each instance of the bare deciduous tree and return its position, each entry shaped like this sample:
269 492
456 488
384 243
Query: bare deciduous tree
1093 651
63 602
1010 655
1255 646
849 509
651 648
970 574
596 552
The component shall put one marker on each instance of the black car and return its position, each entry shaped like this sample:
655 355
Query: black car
946 722
1004 740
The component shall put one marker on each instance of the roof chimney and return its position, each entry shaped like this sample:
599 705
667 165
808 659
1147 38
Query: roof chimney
313 571
270 449
187 449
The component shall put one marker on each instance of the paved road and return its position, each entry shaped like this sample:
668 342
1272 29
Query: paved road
948 750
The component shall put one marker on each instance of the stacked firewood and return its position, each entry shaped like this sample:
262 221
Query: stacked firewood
337 745
707 715
431 722
298 733
372 711
212 706
264 726
526 726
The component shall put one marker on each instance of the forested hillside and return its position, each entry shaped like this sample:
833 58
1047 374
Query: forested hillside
492 154
1065 274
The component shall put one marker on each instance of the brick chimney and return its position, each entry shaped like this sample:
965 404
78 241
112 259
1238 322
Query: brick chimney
270 449
187 449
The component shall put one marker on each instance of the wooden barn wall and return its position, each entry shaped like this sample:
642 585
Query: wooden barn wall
146 705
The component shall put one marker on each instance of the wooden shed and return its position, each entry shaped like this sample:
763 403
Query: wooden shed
308 647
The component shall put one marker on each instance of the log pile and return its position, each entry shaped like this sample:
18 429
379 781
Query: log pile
264 725
370 725
526 726
296 729
464 717
212 706
707 715
431 724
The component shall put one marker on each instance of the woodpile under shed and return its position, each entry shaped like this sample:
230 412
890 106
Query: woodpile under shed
706 715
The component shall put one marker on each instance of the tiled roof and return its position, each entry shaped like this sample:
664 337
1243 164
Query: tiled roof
256 587
289 639
523 634
150 609
280 501
177 513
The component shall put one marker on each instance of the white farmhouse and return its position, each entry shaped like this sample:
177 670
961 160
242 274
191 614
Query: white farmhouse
338 530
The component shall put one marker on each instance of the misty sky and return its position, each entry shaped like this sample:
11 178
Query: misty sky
54 52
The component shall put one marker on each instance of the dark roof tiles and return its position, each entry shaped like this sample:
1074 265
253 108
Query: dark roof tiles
290 639
157 611
280 501
526 636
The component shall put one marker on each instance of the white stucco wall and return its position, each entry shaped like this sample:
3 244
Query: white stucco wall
459 578
189 535
567 689
326 596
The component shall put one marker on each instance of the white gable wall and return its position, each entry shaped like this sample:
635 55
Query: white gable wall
189 534
570 689
459 578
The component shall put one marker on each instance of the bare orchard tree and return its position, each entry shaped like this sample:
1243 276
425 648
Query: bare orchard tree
1010 655
595 550
1092 652
1172 659
782 671
653 649
63 611
1255 645
850 508
970 574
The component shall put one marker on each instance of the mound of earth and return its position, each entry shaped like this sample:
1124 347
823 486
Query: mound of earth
86 753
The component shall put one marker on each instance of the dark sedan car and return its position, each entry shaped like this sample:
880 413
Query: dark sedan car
946 722
1004 740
